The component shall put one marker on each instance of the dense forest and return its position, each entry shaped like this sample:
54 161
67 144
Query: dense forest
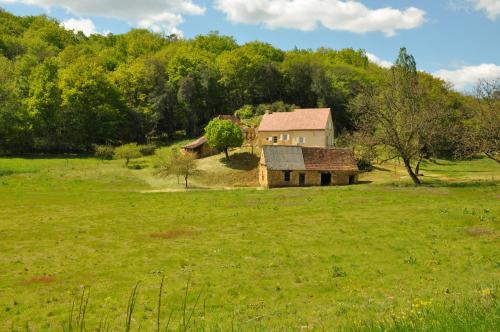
61 91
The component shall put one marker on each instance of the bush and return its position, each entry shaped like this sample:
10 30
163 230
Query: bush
127 152
147 149
246 112
364 164
104 152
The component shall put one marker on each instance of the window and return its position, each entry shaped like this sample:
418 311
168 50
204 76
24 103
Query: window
286 176
301 140
275 139
284 137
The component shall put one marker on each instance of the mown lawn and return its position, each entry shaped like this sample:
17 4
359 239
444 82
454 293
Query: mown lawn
313 258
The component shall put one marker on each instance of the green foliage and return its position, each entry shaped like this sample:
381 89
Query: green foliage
127 152
64 92
104 152
246 112
223 134
147 149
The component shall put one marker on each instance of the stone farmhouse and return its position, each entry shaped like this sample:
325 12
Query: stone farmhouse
297 150
294 166
304 127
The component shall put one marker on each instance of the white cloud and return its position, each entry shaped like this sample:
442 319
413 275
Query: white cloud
467 76
157 15
375 59
333 14
491 7
84 25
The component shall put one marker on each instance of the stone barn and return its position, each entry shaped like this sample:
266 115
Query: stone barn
200 147
296 166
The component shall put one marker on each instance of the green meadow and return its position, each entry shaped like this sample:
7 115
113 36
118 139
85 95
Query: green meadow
381 255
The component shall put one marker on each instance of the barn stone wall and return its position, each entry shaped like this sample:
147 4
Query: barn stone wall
273 179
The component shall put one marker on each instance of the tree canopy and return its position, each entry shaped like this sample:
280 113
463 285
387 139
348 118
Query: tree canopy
223 134
62 91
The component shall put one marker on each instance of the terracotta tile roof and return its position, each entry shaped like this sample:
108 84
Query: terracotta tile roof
297 158
193 145
329 159
299 119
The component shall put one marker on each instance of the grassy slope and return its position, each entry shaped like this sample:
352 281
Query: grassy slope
320 257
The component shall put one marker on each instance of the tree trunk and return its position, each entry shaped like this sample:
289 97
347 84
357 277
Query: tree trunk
417 168
186 180
412 175
227 154
492 157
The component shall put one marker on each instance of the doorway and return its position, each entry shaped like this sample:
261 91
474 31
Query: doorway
326 179
352 179
302 179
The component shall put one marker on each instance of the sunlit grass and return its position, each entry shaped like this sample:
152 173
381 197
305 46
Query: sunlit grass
313 258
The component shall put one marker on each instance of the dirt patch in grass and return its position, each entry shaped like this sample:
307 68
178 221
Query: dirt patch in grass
40 280
173 234
478 231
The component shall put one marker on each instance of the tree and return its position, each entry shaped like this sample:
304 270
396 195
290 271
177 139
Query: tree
402 115
186 165
482 129
171 162
246 112
223 134
128 152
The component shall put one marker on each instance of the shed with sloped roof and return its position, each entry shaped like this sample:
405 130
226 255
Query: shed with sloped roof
293 166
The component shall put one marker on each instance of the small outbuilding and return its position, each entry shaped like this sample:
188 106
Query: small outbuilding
200 147
295 166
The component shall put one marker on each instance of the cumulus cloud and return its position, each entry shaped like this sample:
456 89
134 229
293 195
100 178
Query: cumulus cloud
467 76
491 7
375 59
84 25
157 15
333 14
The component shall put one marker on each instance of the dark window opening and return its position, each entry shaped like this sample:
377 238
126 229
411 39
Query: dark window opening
286 175
326 179
275 139
352 179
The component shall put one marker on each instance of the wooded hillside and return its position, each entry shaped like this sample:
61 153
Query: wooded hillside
62 91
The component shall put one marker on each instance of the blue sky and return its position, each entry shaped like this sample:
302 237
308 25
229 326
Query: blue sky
458 40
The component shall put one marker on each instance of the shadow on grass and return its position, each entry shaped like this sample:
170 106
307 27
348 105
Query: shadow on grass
449 184
243 161
452 171
378 168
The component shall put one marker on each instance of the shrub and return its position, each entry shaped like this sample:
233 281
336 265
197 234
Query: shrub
104 152
127 152
364 164
147 149
246 112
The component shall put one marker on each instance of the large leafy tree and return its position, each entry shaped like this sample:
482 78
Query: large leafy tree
43 105
90 104
482 128
403 115
223 134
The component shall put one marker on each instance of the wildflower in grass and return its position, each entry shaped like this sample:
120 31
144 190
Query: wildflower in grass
487 292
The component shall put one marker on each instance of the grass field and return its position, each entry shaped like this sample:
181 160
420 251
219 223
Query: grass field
367 256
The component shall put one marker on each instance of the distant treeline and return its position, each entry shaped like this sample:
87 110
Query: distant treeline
62 91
